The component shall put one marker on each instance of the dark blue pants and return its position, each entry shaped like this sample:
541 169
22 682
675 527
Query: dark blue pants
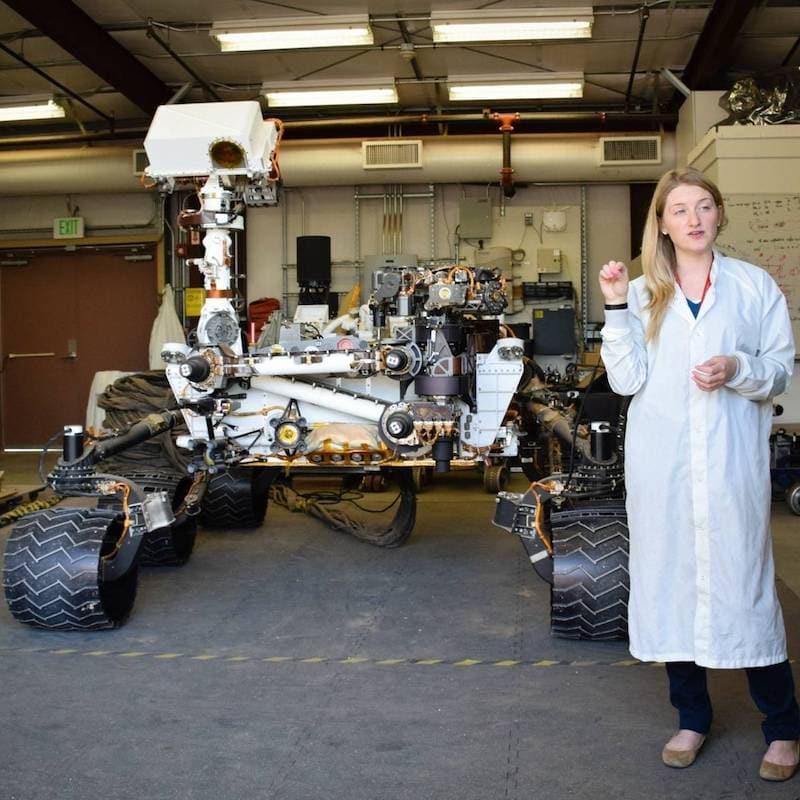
772 690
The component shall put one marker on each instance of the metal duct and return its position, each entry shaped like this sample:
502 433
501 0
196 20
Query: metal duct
540 158
545 158
80 170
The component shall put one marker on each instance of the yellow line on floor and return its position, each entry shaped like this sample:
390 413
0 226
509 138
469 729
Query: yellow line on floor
345 661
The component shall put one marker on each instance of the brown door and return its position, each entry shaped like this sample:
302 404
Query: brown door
66 316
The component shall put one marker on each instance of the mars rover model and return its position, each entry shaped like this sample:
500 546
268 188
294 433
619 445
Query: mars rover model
423 374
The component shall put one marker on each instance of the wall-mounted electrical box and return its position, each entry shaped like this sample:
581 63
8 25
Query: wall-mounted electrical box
475 218
549 259
554 221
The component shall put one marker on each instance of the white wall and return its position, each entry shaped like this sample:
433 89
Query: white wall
104 214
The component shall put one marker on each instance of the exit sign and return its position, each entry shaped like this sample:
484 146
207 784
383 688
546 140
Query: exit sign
68 228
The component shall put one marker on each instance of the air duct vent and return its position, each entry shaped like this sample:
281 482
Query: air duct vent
629 150
392 154
139 162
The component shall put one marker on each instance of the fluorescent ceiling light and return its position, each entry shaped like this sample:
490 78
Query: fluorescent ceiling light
525 24
31 107
380 91
515 87
290 33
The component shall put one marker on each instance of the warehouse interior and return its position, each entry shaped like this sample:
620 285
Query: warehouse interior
288 658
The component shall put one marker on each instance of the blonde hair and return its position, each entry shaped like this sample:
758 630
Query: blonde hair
658 253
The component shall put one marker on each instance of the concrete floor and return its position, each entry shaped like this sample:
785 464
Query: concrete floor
294 663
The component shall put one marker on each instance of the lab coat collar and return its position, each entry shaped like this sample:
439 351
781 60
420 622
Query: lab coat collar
679 299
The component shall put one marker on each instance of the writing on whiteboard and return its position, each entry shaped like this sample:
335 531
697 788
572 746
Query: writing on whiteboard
765 230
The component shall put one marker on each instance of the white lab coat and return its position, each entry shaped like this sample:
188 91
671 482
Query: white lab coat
697 470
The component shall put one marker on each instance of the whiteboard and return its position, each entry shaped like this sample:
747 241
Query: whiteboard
765 230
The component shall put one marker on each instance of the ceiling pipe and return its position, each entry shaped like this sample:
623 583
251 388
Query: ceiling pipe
645 15
599 118
180 94
506 172
675 81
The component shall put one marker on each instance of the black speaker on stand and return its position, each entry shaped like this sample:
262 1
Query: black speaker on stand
314 270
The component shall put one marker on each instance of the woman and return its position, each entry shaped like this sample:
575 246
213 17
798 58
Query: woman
703 342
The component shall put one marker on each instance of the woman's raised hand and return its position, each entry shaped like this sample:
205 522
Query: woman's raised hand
614 282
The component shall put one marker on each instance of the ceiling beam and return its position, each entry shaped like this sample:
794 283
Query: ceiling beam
77 33
710 56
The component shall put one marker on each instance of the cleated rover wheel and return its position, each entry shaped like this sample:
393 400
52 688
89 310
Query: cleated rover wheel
590 589
793 497
237 498
52 574
495 478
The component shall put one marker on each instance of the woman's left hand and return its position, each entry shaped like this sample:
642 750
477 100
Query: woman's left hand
715 372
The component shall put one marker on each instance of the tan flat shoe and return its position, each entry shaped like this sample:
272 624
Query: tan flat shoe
780 772
681 758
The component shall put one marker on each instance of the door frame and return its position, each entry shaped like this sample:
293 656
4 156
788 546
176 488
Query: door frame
8 246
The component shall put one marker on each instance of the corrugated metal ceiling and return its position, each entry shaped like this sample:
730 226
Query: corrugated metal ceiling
762 37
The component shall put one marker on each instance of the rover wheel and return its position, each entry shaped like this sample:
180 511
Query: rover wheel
237 498
173 544
793 497
589 597
495 478
374 482
52 574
